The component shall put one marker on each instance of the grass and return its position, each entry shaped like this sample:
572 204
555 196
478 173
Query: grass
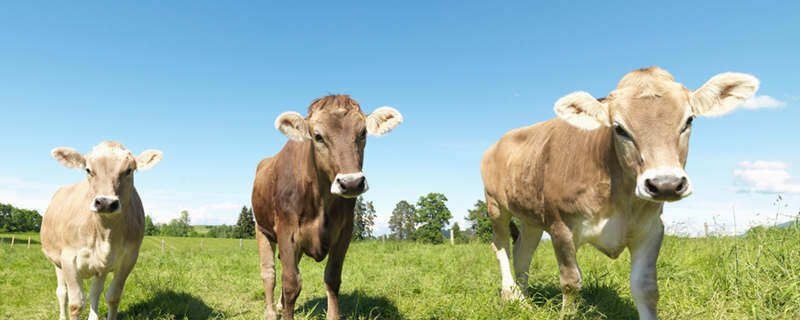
751 277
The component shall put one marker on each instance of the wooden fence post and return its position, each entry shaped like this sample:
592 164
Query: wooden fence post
162 245
12 240
240 243
706 226
452 238
29 242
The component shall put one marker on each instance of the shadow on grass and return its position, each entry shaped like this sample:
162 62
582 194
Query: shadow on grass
18 240
354 305
597 301
174 305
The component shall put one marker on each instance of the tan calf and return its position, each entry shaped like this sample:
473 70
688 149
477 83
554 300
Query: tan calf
96 226
600 174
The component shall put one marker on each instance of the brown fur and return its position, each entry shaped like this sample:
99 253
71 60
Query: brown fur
293 204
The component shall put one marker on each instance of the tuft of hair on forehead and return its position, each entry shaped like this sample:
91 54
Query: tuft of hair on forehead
647 82
107 148
333 103
109 145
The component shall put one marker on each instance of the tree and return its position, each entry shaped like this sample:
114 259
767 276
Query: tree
150 229
458 235
481 225
245 226
222 231
403 221
178 227
363 219
432 215
13 219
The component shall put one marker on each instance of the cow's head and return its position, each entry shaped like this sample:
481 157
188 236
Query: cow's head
109 171
650 118
338 133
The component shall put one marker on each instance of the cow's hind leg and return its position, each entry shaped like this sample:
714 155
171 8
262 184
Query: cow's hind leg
95 290
569 273
500 244
61 294
266 250
524 247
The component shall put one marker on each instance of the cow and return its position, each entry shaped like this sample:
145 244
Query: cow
600 173
303 197
95 226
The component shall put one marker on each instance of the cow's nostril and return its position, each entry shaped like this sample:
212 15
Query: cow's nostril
361 183
651 187
98 204
341 184
681 186
114 206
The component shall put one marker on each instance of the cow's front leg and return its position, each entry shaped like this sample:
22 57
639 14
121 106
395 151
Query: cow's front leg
266 251
114 292
333 272
291 282
95 290
569 273
61 294
644 254
76 296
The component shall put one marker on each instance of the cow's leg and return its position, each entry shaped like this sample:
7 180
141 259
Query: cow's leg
333 271
501 247
524 247
266 250
76 296
291 282
95 291
569 273
61 294
644 254
114 292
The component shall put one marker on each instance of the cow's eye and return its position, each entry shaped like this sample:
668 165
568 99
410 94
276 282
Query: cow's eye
89 171
128 172
620 131
688 124
318 138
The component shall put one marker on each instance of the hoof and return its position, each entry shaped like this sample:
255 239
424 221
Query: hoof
512 294
270 315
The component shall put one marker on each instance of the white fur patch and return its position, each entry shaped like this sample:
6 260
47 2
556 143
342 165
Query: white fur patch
723 93
383 120
641 187
582 110
69 157
293 125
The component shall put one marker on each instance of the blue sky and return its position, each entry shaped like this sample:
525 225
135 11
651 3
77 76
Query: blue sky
203 82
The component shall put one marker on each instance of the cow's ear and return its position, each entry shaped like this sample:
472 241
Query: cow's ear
582 110
148 159
69 157
723 93
383 120
293 125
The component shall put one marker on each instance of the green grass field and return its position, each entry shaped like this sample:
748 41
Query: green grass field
752 277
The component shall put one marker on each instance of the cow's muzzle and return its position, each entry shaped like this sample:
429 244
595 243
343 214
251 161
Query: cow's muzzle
663 185
105 204
349 185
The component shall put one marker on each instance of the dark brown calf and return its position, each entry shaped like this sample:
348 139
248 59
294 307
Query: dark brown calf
303 198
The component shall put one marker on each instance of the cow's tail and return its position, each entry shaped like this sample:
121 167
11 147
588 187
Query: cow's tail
514 231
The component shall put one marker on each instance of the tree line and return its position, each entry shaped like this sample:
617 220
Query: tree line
245 227
13 219
426 220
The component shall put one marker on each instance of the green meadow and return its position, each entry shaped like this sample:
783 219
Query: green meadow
756 276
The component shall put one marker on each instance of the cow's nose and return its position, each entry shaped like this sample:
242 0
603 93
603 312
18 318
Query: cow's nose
666 186
349 185
105 204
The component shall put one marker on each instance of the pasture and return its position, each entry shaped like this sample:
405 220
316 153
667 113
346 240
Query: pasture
751 277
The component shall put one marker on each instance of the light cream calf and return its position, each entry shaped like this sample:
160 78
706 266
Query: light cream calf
96 226
599 174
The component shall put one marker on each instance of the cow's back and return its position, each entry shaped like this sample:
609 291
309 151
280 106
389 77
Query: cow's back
550 166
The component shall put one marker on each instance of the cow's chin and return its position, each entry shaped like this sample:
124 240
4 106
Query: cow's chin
348 195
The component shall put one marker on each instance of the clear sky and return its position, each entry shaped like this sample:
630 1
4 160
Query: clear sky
204 81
